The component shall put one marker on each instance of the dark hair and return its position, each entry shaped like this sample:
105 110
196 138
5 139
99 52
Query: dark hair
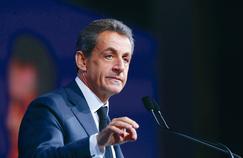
87 38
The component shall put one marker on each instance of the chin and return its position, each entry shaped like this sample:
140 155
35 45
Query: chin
115 90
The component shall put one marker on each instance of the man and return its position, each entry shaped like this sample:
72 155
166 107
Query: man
67 122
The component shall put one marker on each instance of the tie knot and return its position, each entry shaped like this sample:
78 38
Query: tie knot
102 112
103 117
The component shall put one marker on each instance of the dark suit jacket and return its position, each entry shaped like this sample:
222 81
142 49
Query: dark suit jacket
58 125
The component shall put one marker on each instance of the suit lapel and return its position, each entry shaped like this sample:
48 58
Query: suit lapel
81 109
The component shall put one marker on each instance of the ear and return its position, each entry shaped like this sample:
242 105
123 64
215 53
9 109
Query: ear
81 61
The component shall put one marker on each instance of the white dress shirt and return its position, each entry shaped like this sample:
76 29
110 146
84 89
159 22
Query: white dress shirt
94 104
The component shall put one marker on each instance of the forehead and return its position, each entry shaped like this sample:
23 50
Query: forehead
114 40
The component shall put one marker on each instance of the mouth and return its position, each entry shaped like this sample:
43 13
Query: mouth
115 78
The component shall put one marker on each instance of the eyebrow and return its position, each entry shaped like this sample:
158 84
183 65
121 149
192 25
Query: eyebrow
115 51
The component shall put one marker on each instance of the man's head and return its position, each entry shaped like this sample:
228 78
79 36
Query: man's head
104 52
88 36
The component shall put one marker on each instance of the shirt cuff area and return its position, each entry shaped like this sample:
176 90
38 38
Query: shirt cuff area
94 148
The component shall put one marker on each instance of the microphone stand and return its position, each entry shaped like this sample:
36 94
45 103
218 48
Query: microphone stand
161 121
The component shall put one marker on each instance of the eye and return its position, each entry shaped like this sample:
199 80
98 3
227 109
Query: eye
108 57
126 59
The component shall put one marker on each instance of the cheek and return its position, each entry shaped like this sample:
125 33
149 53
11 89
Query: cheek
98 76
126 72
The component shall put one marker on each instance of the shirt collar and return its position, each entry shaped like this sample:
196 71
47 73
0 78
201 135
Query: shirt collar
93 101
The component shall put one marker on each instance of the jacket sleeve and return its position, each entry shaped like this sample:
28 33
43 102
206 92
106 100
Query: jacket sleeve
42 136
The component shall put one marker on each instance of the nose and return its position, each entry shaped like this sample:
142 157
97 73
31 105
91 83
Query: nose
119 66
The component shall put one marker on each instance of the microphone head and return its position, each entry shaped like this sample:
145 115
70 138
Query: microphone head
150 104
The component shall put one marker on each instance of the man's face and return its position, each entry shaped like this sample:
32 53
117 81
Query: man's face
107 67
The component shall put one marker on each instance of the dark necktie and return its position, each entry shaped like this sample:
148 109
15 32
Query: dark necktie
103 122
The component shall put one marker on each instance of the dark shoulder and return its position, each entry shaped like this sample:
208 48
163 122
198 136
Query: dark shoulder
53 101
52 104
50 97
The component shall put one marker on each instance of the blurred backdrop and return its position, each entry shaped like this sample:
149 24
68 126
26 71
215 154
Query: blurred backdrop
188 56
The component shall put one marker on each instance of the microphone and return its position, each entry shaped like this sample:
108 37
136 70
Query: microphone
152 106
